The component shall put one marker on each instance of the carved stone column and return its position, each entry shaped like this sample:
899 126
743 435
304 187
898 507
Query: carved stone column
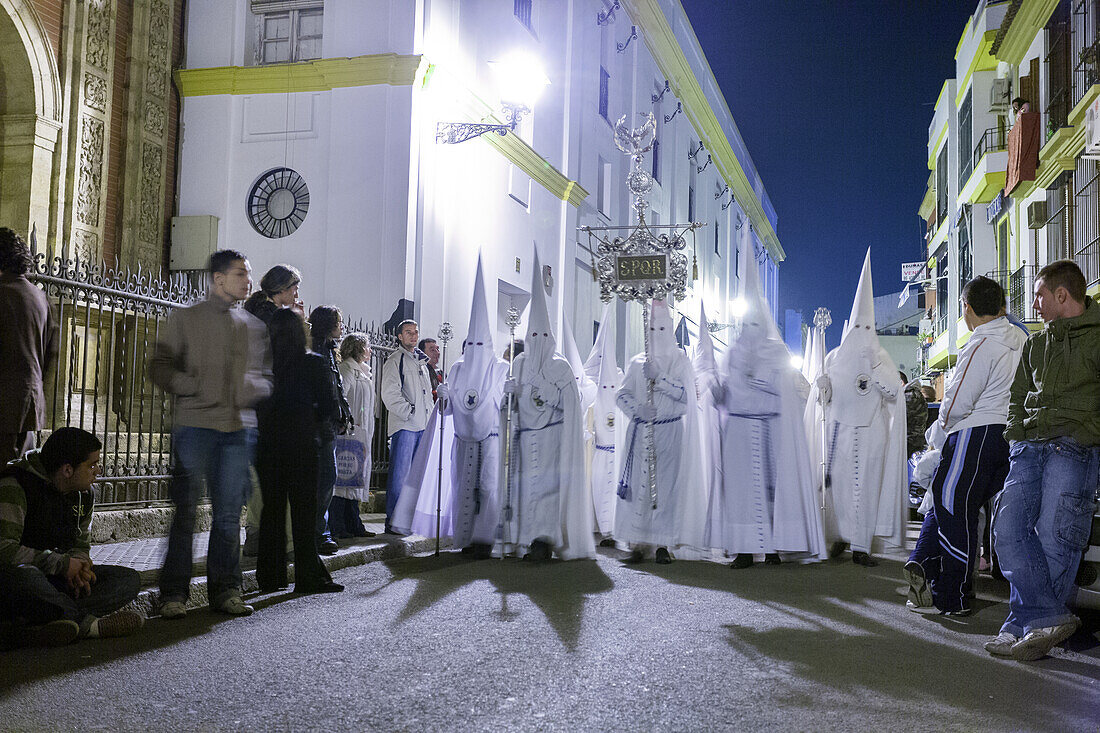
144 216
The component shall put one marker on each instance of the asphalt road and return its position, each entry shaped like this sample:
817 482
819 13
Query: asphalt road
455 644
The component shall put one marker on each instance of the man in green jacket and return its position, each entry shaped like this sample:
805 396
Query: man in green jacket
1044 514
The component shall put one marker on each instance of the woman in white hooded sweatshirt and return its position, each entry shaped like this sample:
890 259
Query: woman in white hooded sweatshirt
974 459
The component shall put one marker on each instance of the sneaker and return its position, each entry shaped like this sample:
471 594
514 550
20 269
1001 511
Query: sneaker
919 592
1038 642
56 633
119 623
173 610
234 606
1001 645
918 608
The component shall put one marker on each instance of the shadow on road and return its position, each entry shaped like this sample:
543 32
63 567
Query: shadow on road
559 589
845 627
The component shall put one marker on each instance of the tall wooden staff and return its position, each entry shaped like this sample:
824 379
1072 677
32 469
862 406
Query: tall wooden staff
444 336
822 320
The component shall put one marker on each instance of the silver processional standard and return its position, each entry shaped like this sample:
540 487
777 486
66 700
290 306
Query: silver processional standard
641 261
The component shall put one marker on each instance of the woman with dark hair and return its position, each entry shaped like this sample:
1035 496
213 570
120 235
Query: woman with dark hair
278 289
325 327
292 422
353 481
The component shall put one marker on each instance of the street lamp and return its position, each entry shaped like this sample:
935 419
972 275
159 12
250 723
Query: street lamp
520 80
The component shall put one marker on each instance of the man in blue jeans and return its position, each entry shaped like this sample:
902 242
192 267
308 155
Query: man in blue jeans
1042 521
216 360
407 394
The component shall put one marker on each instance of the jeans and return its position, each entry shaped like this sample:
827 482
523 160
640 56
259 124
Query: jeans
403 445
326 482
222 460
1041 527
29 594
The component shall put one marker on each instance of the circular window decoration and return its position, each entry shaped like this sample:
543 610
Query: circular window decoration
278 202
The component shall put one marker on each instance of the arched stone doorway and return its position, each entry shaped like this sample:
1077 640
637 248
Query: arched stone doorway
30 107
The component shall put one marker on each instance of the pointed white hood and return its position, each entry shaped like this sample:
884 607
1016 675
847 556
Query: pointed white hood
662 338
572 354
704 350
541 344
808 354
758 339
861 323
475 381
600 364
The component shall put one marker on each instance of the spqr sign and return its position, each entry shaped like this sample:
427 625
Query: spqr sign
641 267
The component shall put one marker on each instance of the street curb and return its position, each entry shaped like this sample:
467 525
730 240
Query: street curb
148 600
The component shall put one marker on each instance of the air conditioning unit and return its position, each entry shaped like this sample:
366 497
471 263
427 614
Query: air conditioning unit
1036 215
999 95
1092 131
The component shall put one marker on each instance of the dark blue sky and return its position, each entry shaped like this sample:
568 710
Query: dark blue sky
834 99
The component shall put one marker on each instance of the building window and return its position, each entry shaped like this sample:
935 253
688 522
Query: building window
716 237
691 203
966 139
656 160
291 33
603 187
966 258
522 10
605 84
941 186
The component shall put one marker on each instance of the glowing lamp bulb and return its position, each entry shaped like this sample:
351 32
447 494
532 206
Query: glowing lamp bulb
520 79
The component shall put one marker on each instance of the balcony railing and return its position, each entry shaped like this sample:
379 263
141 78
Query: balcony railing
992 140
1019 293
942 320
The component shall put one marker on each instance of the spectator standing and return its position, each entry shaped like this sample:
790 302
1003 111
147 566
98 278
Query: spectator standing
46 572
278 289
406 392
326 325
353 478
974 457
28 347
216 360
916 415
1043 517
292 422
430 347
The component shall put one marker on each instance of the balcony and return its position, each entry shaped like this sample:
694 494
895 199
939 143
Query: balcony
984 173
1017 286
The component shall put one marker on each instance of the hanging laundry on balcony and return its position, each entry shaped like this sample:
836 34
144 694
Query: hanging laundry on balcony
1023 150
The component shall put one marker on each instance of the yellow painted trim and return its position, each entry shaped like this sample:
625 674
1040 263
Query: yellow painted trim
1077 114
306 76
1029 22
982 61
522 155
960 328
937 147
940 237
981 189
927 203
962 38
665 48
940 97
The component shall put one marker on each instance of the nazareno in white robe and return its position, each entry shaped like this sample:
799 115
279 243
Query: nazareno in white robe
711 421
608 425
866 476
548 490
680 515
415 512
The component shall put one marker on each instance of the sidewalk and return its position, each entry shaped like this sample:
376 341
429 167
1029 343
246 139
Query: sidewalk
147 555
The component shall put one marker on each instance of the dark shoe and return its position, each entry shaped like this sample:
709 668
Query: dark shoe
837 548
362 532
538 552
119 623
663 558
1086 575
919 592
273 587
742 561
862 558
481 551
329 587
635 557
233 606
467 550
328 547
772 558
607 542
55 633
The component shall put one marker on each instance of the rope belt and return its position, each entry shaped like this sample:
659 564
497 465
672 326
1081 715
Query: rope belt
608 448
547 425
624 491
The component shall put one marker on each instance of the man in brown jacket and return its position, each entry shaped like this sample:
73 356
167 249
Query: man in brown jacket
28 347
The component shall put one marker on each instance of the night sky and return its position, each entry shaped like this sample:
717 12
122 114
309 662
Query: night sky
834 99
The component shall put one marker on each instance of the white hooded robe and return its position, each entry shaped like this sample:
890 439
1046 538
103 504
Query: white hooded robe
607 423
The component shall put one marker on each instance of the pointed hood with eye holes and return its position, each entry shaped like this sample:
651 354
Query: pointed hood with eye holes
662 337
572 354
541 344
860 325
758 340
476 380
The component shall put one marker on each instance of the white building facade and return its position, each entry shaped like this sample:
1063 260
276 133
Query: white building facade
309 131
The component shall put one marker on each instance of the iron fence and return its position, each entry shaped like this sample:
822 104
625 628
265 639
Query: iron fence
109 320
1019 292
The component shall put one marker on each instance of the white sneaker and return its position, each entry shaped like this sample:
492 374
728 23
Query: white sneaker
173 609
1038 642
234 606
1001 645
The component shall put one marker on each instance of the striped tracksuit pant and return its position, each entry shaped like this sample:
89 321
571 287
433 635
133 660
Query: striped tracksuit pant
973 467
